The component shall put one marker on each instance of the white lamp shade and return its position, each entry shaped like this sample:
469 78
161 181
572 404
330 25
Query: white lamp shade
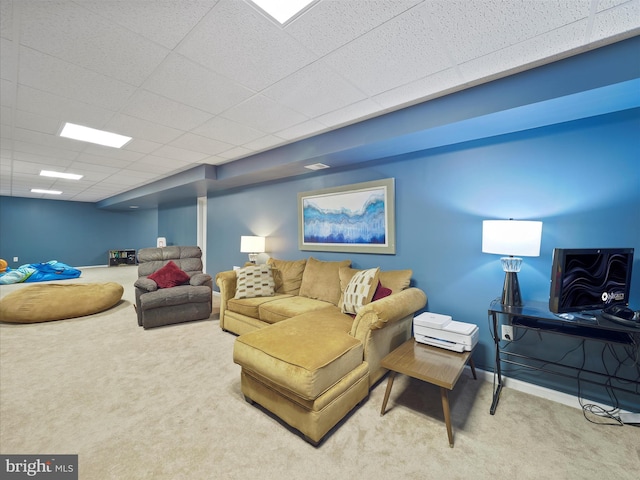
251 244
512 237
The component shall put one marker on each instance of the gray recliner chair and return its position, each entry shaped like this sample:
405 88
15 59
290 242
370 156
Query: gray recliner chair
191 300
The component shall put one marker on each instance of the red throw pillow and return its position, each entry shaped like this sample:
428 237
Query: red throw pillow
381 292
169 276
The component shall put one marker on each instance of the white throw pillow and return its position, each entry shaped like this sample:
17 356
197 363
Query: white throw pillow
254 281
360 290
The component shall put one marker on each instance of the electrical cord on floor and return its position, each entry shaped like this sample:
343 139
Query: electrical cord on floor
600 412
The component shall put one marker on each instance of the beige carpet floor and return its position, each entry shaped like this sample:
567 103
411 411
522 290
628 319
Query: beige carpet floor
165 403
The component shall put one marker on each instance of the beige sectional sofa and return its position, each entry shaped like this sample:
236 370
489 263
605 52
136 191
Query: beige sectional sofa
311 342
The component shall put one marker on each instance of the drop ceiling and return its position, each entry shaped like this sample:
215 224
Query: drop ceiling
205 83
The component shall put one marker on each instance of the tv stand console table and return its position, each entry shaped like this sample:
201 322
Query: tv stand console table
536 316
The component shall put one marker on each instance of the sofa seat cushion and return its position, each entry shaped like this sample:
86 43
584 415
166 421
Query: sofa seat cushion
305 355
175 296
283 309
249 306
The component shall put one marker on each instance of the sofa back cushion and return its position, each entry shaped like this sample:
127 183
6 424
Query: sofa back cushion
396 280
188 259
287 275
321 280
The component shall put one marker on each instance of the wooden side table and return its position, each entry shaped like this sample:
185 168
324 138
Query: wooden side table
430 364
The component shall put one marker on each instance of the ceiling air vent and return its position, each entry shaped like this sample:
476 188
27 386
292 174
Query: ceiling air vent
316 166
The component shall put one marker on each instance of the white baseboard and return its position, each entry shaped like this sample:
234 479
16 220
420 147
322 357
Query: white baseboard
538 391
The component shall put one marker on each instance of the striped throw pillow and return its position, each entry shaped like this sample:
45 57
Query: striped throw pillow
254 281
360 290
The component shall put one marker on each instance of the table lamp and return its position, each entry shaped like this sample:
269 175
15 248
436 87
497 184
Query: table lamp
514 238
253 246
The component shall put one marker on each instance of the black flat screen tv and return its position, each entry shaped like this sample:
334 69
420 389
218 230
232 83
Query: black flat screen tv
584 279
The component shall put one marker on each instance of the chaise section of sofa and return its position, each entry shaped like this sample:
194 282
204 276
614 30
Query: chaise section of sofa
304 356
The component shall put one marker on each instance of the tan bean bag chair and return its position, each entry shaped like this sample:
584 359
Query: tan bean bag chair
54 301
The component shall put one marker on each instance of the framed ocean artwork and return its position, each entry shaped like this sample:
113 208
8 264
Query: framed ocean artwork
352 218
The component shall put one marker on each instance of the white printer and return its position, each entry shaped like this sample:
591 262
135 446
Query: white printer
441 331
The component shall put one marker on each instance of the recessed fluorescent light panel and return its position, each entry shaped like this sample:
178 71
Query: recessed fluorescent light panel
86 134
48 192
283 10
68 176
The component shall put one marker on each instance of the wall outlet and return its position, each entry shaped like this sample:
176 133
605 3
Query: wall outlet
15 259
507 333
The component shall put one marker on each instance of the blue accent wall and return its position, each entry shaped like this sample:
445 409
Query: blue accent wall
75 233
581 178
178 223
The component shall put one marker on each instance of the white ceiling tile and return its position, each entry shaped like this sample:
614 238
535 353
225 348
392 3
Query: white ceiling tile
141 129
400 51
236 152
46 73
6 115
142 146
157 166
37 123
625 17
535 49
45 145
63 109
198 143
102 160
179 154
9 59
31 168
165 23
349 113
606 4
50 160
92 172
132 178
7 93
154 108
223 129
329 25
420 89
474 29
6 19
314 90
264 114
302 130
108 153
68 188
188 82
264 143
67 31
243 45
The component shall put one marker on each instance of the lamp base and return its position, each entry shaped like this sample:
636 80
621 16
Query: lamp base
511 296
253 258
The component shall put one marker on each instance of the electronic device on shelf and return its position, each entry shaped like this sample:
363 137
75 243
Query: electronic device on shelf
622 315
584 279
